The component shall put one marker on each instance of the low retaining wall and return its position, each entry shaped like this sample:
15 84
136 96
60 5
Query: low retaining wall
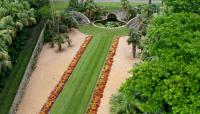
28 72
98 92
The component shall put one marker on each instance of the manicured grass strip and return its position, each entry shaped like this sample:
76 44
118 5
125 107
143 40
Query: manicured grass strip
98 93
12 82
54 94
76 95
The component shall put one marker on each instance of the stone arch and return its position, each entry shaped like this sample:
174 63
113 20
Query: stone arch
80 18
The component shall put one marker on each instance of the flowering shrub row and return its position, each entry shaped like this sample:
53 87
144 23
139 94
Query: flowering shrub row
54 94
98 93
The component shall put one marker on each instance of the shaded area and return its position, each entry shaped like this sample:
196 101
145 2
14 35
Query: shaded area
8 93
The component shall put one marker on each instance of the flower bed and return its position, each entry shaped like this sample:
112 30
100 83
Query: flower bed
98 93
54 94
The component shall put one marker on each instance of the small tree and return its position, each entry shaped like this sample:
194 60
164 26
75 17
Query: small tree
59 40
90 8
134 39
125 5
69 41
73 3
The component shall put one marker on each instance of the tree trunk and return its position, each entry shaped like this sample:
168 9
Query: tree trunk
134 50
69 43
149 10
60 47
52 44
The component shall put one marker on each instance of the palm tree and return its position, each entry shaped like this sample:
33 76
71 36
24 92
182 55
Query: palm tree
50 32
90 8
73 3
69 41
125 5
134 39
59 40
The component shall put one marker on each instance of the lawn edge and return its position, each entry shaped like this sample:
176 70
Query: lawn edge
57 90
98 92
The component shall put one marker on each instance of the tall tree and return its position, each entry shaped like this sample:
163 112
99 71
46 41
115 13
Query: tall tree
90 8
149 9
73 3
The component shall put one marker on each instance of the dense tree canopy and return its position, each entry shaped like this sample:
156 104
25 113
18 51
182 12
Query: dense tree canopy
14 16
168 82
183 5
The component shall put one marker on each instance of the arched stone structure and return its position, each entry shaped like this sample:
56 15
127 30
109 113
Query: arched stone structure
80 18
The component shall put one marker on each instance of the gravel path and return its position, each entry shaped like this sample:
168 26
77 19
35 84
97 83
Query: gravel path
123 62
50 66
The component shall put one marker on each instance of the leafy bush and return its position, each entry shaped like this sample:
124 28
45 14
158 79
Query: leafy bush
168 80
121 105
174 36
37 3
14 16
184 5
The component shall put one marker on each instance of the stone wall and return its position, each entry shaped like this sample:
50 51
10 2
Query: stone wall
28 72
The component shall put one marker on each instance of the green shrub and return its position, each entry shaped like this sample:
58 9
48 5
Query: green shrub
37 3
174 36
168 80
184 5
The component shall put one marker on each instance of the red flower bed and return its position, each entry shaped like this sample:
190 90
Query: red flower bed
98 93
54 94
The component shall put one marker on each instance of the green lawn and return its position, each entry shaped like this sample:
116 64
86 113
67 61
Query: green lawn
75 97
8 93
107 5
115 6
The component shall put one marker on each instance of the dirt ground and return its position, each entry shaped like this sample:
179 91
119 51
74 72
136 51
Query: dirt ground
51 65
123 62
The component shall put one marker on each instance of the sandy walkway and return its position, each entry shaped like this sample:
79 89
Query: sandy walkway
50 67
123 62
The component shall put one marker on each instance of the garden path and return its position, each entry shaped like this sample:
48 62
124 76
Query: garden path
50 66
123 61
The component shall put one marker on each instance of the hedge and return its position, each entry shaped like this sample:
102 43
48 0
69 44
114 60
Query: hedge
167 81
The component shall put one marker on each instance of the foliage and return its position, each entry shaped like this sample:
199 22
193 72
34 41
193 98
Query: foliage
73 3
183 5
14 16
67 21
18 44
125 5
168 35
91 8
145 9
121 105
11 80
168 80
37 3
134 39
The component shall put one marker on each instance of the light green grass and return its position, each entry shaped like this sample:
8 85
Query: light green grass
115 5
75 97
